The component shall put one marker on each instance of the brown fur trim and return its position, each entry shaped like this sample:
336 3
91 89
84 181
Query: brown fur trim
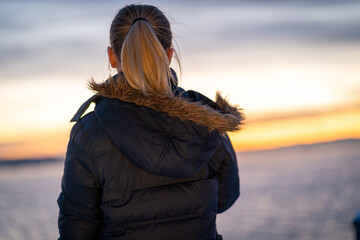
228 119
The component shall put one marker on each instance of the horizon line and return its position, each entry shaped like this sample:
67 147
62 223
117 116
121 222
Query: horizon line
57 158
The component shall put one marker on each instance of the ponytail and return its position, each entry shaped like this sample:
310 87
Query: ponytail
140 35
144 61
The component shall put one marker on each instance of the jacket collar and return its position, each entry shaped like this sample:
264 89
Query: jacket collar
225 117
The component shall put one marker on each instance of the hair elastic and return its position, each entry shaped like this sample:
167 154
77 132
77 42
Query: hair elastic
138 19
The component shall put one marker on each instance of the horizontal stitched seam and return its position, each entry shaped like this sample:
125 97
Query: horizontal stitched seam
161 220
148 186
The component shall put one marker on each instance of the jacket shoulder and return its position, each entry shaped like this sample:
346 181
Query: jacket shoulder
195 96
94 99
86 132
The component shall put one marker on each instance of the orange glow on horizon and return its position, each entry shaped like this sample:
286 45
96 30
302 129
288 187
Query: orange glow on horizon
302 130
257 135
35 145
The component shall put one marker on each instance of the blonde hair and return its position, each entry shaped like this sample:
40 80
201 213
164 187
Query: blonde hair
140 36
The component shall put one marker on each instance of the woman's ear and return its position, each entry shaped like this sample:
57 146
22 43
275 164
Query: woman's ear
169 53
112 57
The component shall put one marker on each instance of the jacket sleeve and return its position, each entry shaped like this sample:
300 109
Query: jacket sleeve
229 183
79 201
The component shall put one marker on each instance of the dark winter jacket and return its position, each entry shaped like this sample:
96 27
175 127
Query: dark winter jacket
154 167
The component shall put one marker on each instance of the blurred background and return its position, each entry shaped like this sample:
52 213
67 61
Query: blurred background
293 66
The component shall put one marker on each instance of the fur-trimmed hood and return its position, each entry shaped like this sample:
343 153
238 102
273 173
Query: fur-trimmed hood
172 136
221 116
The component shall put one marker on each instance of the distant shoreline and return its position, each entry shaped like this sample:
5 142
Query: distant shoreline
339 141
38 161
29 161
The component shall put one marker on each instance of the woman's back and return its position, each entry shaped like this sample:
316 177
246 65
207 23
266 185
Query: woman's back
148 166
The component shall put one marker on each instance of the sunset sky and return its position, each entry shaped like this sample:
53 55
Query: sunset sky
293 66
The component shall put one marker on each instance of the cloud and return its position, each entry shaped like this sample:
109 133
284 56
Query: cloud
309 113
5 145
35 38
278 24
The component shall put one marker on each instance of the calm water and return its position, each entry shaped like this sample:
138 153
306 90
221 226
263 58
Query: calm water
298 193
